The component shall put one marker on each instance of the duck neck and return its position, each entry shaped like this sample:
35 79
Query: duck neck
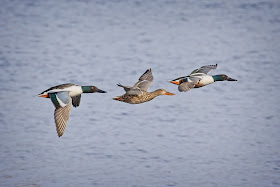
156 93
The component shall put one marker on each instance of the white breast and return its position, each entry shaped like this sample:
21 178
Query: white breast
74 90
205 79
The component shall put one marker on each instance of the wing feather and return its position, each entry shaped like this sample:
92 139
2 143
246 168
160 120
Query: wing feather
205 69
186 86
61 116
145 81
76 100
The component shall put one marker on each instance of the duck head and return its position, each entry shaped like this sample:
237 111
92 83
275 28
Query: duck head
222 77
163 92
91 89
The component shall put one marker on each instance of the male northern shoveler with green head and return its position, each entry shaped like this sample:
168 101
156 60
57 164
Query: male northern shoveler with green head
62 96
138 93
199 78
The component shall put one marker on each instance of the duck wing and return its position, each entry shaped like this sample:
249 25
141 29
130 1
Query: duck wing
145 81
61 116
76 100
131 90
187 84
205 69
62 102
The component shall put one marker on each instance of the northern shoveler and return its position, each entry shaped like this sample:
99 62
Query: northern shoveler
199 78
62 96
138 93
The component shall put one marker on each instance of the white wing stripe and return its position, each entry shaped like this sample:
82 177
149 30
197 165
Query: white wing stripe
60 102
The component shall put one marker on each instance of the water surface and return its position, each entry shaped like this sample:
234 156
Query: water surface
225 134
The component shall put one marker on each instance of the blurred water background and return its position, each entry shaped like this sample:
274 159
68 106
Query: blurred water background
225 134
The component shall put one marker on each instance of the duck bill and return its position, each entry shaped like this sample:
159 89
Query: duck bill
116 98
174 82
231 79
168 93
101 91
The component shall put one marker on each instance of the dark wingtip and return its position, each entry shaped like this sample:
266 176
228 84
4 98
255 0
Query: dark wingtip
147 71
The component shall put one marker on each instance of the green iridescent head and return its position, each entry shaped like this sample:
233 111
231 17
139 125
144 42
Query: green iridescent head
222 77
91 89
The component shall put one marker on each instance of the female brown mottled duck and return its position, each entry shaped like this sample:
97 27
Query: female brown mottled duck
138 93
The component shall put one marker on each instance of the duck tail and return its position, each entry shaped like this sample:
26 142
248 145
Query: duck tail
42 95
174 82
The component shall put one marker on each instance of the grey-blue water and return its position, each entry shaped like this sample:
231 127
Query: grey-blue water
224 134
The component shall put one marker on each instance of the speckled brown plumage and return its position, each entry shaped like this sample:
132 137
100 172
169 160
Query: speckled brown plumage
144 97
138 93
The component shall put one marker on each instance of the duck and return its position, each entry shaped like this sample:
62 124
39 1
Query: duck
62 97
199 78
138 93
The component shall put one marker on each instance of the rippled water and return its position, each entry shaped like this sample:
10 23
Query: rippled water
225 134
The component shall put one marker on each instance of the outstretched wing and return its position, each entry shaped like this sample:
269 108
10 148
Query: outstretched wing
62 102
61 116
145 81
204 69
76 101
187 84
60 99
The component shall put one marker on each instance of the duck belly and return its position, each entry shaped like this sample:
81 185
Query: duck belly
205 80
134 99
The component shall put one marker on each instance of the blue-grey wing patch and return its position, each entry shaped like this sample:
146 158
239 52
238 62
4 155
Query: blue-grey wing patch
60 99
205 69
76 100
